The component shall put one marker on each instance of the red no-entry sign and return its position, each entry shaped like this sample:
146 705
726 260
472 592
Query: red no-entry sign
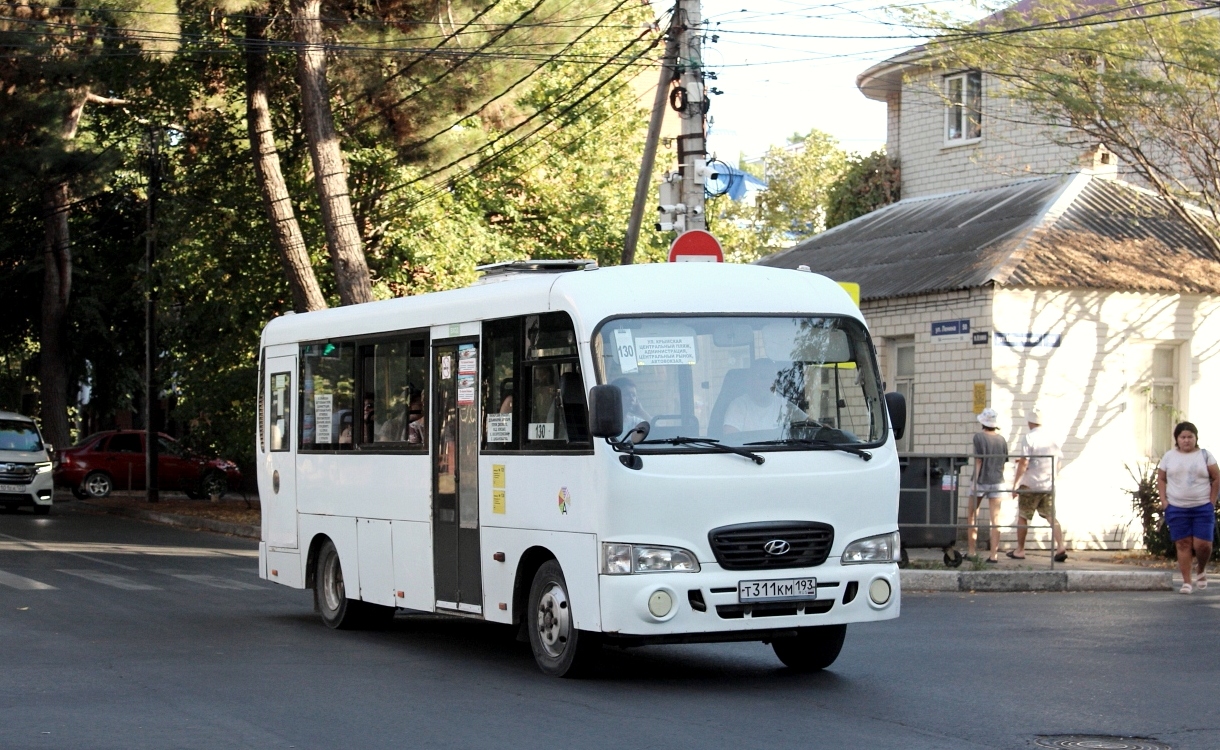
696 245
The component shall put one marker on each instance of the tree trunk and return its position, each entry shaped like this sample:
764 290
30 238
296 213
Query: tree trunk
53 336
330 171
306 295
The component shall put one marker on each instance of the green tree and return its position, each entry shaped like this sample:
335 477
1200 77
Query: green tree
1143 81
867 183
793 205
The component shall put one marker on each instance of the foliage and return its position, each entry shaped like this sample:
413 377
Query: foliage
867 183
1142 83
791 208
1146 502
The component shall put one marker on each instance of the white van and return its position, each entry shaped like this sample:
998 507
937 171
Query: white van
25 465
632 455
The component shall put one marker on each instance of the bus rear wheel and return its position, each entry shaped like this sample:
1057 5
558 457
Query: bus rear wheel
811 649
330 596
560 650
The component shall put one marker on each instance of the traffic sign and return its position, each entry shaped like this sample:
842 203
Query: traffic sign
696 245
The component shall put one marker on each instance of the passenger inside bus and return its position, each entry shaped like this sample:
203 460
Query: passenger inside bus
633 411
760 407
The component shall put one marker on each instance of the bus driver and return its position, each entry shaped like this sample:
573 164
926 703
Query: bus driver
760 407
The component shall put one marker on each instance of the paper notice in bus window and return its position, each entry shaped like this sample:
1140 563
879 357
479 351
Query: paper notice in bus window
467 359
499 430
625 346
665 350
465 384
497 501
323 407
541 431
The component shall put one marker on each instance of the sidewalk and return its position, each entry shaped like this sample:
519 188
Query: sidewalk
1084 570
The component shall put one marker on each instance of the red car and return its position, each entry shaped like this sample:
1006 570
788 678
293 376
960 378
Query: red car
110 461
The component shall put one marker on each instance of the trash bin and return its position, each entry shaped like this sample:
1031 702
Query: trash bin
927 503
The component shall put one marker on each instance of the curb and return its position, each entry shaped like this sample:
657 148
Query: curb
193 523
1068 580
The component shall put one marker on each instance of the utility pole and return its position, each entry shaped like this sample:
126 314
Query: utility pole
669 64
150 320
692 108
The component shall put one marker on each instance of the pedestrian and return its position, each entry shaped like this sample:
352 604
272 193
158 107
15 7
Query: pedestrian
990 456
1188 482
1036 485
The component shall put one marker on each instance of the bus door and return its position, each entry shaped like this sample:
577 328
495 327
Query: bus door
281 507
455 486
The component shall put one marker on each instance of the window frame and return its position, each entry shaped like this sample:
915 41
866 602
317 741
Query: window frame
358 341
289 421
523 391
963 107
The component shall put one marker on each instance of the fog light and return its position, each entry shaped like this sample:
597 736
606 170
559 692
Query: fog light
879 591
660 603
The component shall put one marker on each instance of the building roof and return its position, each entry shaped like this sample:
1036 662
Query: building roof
1073 231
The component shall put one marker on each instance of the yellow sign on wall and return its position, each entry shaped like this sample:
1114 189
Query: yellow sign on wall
853 289
980 397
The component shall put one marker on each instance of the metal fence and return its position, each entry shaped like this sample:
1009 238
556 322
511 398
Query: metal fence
929 495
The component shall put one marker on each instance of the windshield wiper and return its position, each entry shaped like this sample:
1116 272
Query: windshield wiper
820 445
708 443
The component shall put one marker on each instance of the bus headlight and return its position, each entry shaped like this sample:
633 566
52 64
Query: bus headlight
622 559
874 549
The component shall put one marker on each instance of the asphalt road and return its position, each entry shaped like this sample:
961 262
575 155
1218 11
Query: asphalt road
158 638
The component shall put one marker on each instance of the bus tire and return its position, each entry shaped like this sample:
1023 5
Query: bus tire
560 650
329 593
811 649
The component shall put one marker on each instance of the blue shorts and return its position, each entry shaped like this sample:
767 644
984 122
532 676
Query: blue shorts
1198 522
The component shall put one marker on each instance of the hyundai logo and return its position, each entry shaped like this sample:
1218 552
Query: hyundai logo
777 547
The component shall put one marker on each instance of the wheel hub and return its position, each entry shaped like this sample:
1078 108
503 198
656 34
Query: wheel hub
554 621
332 584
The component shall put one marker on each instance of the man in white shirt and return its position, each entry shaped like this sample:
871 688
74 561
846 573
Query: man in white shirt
1035 484
760 407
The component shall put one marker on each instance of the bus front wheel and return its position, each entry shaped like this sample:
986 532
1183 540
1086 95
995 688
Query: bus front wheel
559 648
811 649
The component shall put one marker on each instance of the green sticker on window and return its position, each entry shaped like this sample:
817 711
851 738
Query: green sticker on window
455 329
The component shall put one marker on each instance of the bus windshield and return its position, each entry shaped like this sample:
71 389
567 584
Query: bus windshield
768 382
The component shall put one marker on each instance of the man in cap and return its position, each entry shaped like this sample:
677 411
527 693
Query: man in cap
990 455
1034 481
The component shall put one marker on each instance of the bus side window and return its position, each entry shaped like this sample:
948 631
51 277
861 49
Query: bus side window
280 413
328 381
501 342
394 376
556 412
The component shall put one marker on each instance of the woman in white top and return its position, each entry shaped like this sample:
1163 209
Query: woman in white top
1188 482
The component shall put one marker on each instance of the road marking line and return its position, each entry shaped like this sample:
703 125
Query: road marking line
44 548
109 579
213 581
15 581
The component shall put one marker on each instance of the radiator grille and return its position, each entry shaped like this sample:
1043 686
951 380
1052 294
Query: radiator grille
744 547
16 473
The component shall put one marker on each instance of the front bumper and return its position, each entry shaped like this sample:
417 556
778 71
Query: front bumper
38 492
625 613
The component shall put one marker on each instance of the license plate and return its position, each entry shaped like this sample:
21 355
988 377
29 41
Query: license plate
782 590
11 488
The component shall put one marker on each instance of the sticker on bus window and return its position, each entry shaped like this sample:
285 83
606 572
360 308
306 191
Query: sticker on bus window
467 359
323 407
665 350
542 431
446 367
465 390
625 347
499 429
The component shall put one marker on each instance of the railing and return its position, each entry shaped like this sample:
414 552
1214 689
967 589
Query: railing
928 502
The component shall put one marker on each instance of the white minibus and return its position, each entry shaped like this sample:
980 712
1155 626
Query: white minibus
669 453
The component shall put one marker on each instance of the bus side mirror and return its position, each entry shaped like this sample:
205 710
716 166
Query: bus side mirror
606 411
896 405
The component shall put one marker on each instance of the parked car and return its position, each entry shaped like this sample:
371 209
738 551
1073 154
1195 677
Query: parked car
25 464
110 461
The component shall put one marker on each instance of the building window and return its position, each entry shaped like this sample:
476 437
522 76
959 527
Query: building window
904 383
963 107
